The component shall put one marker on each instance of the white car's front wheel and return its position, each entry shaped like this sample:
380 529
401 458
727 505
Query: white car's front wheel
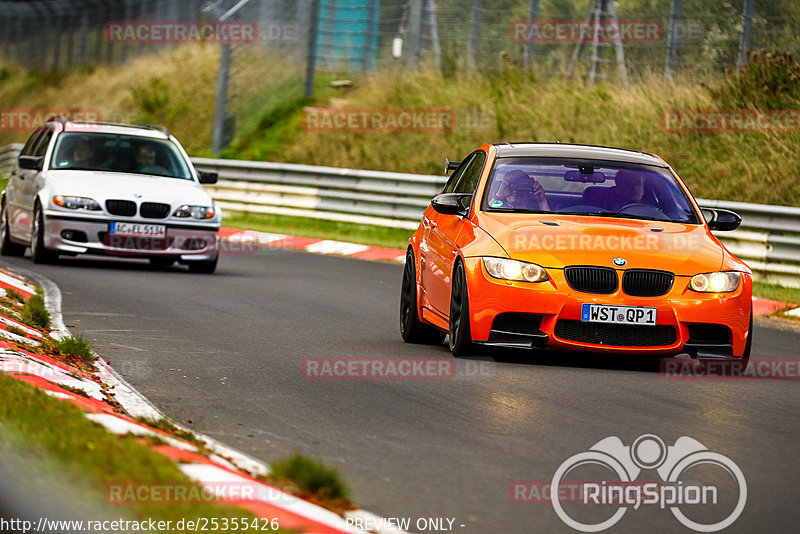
203 267
40 253
8 247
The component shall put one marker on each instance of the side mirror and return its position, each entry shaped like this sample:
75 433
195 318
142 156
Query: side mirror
452 203
720 219
450 165
207 177
33 163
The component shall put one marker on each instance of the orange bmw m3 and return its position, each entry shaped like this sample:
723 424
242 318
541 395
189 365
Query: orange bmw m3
574 247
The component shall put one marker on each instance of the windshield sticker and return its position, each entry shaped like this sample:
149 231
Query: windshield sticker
496 203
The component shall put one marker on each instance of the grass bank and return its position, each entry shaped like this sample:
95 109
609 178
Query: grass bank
493 106
89 460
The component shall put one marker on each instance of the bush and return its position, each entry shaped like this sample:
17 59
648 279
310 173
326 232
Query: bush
76 346
34 313
770 80
311 476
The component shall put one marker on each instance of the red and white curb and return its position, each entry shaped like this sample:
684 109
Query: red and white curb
766 307
215 472
242 238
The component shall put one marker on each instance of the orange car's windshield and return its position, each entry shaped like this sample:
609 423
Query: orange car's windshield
581 187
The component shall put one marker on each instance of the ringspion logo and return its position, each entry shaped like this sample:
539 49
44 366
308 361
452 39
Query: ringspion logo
672 463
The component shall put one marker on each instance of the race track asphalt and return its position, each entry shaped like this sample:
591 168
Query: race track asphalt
223 353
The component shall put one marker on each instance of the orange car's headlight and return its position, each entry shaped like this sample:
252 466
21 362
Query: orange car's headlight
718 282
506 269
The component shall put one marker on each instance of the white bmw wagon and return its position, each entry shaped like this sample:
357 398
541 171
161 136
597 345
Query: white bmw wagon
110 189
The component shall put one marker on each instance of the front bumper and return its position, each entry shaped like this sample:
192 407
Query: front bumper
68 234
549 314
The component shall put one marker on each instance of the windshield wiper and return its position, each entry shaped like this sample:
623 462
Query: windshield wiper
611 214
76 168
519 210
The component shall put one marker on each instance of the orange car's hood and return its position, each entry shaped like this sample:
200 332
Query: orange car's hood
683 249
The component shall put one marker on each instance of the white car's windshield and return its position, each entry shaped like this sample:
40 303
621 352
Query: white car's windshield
119 153
587 188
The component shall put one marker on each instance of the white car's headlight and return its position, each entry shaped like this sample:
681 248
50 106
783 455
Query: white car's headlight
718 282
506 269
76 203
196 212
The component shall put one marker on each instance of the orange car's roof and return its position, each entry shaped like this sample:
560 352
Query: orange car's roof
563 150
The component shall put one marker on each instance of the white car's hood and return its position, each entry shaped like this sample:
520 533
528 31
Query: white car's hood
102 186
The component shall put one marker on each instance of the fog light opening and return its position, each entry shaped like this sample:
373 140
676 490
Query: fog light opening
77 236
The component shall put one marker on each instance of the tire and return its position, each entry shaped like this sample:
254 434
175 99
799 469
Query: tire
162 262
460 336
39 253
411 328
8 247
745 359
203 267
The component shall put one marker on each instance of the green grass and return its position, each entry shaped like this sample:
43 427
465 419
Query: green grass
13 294
76 346
311 476
170 428
88 459
776 292
34 313
319 228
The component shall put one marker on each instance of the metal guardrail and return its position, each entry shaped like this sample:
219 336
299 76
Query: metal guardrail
765 239
8 155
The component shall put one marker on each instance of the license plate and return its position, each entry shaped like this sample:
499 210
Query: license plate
138 230
604 313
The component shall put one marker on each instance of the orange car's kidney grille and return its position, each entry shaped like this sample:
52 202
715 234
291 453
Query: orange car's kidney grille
599 280
615 335
121 207
646 283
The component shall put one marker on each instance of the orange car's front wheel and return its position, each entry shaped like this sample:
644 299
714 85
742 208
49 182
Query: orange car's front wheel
460 335
411 328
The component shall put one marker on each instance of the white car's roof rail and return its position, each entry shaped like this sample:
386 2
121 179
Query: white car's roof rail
159 127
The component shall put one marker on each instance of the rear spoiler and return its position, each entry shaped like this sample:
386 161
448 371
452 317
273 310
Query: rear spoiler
450 165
